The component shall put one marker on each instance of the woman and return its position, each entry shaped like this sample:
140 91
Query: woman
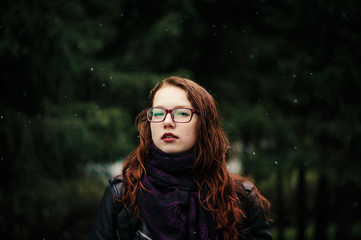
175 184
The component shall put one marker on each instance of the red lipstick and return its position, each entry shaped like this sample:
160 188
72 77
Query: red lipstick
169 137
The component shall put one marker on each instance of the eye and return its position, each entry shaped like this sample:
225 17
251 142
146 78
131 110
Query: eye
182 112
158 113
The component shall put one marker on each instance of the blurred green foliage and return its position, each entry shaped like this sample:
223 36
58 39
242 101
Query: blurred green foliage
75 74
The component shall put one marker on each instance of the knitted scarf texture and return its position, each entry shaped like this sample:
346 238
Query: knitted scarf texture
171 208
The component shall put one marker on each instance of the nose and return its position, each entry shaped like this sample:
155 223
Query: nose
168 121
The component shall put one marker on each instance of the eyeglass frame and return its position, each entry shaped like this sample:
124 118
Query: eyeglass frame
171 115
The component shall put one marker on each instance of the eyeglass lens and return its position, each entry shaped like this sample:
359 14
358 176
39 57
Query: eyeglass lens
178 114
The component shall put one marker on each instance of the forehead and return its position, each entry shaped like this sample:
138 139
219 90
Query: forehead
170 97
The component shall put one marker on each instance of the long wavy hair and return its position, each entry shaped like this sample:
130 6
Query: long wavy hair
210 170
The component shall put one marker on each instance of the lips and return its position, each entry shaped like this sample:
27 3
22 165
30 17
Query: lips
168 135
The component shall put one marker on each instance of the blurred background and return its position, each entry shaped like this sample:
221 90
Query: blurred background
285 74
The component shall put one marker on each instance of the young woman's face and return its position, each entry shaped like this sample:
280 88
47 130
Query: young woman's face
169 136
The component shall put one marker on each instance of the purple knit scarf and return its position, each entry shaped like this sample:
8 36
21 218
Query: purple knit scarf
172 209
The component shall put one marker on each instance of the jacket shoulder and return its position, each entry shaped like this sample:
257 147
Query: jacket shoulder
255 225
116 183
104 225
248 186
245 187
247 193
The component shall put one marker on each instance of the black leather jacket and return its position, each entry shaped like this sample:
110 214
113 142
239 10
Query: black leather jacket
112 222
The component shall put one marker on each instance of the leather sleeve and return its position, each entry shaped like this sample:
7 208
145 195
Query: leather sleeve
104 225
257 225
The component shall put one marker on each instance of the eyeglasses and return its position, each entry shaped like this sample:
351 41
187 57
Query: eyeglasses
179 115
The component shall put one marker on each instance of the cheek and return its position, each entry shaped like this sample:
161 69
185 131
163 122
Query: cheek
153 131
193 132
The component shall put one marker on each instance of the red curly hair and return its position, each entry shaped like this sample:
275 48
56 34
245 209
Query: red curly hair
212 148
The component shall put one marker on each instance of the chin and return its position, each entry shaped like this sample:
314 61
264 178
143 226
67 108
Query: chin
170 151
175 151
